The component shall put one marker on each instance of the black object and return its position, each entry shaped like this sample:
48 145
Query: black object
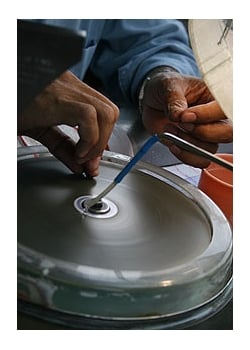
43 53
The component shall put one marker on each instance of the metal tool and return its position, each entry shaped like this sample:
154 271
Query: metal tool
195 149
149 143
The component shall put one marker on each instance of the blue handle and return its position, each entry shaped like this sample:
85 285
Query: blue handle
149 143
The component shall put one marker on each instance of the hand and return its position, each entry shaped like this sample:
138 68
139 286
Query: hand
69 101
183 105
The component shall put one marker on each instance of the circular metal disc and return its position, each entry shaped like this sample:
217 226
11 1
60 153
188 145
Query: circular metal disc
158 252
155 227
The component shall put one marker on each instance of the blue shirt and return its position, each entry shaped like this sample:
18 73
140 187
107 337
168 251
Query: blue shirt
121 52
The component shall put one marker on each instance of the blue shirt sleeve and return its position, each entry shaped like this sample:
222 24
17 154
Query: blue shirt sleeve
121 52
129 49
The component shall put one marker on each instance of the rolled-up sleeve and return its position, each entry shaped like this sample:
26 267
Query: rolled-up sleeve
129 49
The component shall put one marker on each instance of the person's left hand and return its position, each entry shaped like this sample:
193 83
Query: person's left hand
183 105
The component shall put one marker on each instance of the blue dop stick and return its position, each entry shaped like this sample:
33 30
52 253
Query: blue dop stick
143 150
147 145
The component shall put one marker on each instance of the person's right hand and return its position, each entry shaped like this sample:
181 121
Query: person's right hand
67 100
183 105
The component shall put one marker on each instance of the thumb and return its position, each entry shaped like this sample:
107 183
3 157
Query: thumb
205 113
176 102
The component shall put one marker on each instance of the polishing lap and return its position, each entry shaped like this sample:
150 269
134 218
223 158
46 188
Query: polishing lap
156 226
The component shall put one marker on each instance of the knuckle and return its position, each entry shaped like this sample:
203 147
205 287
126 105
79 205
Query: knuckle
116 112
109 114
88 111
86 116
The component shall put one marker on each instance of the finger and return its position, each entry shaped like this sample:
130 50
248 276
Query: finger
63 148
95 121
91 167
175 100
154 120
218 132
59 144
204 113
188 157
166 93
105 119
86 119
